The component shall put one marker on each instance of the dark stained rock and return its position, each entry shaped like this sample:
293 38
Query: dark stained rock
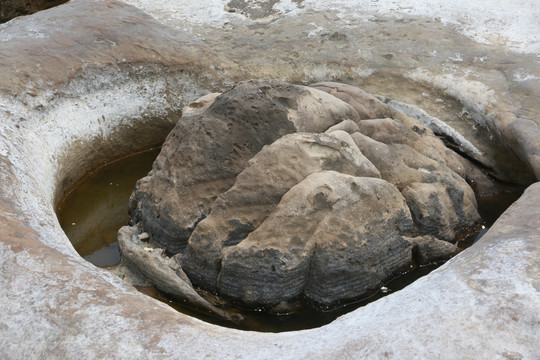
57 306
231 183
13 8
441 209
427 249
203 155
332 236
258 190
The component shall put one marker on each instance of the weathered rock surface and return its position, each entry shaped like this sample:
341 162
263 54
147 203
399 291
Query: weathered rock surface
202 156
162 271
428 187
258 190
441 209
387 125
14 8
427 249
256 225
54 305
367 106
83 57
332 236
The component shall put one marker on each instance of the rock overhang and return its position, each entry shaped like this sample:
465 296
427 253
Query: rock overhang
65 303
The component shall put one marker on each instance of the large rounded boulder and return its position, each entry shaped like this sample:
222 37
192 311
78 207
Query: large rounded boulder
203 154
273 191
332 236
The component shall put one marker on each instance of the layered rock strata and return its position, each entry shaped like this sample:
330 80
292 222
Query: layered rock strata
261 206
203 154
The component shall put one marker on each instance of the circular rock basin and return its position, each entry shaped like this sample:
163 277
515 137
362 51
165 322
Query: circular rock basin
92 212
83 81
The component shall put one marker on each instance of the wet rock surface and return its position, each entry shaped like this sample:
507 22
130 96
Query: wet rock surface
55 305
301 217
161 271
67 61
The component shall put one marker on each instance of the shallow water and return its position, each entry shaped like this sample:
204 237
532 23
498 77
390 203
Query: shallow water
97 207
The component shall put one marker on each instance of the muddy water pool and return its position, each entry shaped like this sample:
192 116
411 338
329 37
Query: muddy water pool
93 211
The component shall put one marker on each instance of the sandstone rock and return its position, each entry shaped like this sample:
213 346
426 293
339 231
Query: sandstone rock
442 129
386 124
198 162
427 249
446 202
408 131
346 125
56 306
440 209
199 106
522 135
258 190
387 130
163 272
482 184
72 46
367 106
109 60
215 186
332 237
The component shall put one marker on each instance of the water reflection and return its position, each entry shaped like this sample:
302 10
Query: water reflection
95 209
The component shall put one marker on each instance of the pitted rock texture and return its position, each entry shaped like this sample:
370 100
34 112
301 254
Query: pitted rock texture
263 214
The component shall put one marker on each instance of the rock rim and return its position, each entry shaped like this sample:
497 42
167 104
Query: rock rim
55 305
